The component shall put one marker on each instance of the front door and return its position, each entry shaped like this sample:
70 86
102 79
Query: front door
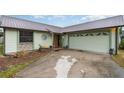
56 42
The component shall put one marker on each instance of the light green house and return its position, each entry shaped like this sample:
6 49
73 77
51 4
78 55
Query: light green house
96 36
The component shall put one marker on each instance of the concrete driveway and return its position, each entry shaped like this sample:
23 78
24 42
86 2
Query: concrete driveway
73 64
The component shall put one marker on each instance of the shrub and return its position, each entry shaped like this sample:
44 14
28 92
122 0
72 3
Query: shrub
1 49
40 48
122 44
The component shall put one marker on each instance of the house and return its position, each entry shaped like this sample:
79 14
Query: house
97 36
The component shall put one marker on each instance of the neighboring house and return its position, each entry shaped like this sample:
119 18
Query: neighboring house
97 36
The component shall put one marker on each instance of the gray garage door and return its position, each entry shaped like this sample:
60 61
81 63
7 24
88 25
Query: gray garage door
97 42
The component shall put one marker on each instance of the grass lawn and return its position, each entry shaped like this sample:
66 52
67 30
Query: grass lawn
1 49
12 70
119 58
9 66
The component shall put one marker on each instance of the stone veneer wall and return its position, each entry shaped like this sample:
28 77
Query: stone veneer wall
25 46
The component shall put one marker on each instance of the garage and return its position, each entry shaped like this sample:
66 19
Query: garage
90 41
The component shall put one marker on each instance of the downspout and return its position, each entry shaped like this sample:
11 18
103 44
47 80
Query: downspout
33 41
116 41
52 40
17 40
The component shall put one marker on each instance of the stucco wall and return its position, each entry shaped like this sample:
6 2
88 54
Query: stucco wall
65 40
40 40
11 40
113 36
1 39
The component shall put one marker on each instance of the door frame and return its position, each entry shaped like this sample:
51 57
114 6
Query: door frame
57 40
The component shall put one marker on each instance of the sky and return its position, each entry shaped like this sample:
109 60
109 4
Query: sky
62 20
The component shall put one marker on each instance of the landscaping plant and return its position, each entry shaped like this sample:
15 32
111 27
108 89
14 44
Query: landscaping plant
122 44
40 48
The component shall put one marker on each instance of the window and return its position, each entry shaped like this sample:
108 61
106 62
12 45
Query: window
82 35
98 34
105 33
86 34
91 34
78 35
44 36
73 35
26 36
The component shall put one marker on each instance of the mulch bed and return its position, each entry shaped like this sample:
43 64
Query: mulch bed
7 61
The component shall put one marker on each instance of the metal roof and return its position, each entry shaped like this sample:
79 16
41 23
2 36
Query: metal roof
102 23
12 22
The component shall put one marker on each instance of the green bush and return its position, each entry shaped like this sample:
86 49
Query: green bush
122 44
1 49
40 48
